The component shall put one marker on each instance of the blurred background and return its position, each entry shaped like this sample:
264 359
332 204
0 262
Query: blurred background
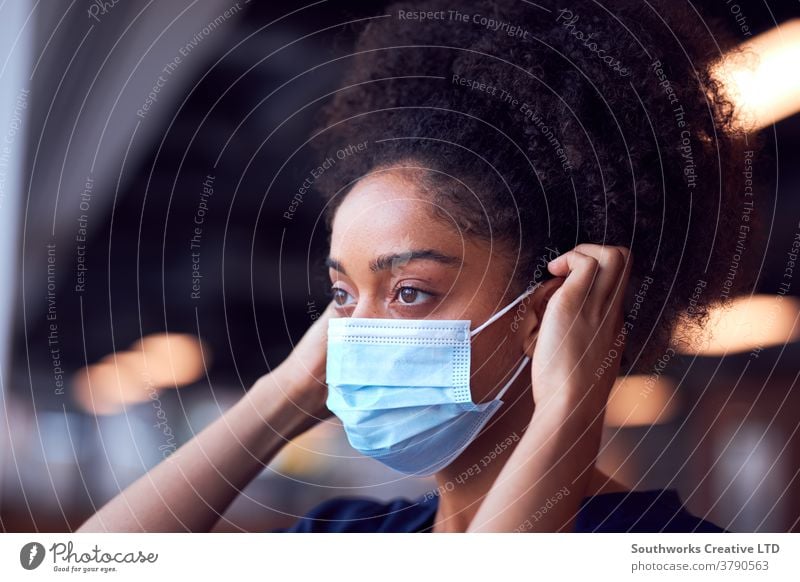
150 153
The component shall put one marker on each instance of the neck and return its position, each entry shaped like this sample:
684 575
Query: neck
465 482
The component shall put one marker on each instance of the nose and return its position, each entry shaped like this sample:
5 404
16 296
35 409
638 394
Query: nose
369 307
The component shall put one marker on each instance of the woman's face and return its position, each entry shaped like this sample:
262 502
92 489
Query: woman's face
392 256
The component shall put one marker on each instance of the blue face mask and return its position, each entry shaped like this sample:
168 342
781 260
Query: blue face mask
401 388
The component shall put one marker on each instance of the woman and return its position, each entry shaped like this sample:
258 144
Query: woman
523 200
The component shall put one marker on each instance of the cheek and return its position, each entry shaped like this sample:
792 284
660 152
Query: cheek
494 355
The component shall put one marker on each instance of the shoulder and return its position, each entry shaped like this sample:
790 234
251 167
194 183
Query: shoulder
655 510
361 514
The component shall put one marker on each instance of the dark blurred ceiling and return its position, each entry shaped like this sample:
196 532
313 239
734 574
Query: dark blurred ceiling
233 109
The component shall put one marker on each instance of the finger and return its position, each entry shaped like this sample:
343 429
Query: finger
310 353
318 332
611 281
619 294
579 270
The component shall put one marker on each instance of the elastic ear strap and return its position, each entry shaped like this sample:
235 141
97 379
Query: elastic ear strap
517 372
503 311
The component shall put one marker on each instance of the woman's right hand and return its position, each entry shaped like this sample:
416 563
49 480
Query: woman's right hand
194 486
300 378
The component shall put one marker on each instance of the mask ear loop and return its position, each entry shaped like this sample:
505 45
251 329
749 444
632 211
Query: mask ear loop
517 372
503 311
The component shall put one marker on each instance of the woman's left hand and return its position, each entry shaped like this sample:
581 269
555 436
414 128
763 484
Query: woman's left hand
577 338
580 339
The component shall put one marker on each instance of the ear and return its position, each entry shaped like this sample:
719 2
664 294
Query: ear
535 313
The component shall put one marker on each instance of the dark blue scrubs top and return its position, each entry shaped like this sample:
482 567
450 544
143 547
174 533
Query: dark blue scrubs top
657 510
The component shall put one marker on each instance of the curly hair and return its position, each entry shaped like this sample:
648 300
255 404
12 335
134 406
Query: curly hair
541 127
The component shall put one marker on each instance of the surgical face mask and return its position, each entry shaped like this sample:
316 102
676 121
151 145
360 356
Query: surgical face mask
401 388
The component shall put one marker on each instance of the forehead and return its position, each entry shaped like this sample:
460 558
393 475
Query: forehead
390 206
385 214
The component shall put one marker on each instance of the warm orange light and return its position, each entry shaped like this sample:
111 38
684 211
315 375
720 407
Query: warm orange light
764 79
171 359
310 452
641 400
153 363
748 323
106 387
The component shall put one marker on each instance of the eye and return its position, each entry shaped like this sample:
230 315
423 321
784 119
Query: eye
412 296
340 296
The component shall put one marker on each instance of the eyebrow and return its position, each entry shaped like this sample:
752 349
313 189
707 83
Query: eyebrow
384 262
332 263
